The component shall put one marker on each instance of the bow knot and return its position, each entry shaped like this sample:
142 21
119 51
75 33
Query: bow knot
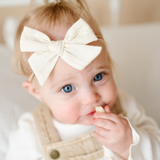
73 49
56 47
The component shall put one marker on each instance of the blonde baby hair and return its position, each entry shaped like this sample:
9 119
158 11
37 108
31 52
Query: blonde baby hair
47 16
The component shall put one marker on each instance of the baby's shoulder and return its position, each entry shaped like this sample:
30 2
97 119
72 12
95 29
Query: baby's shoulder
25 139
26 121
25 131
26 117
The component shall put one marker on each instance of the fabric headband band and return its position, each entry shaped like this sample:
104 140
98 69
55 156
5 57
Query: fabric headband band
73 49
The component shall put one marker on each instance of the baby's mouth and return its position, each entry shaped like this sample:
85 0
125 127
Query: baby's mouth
91 113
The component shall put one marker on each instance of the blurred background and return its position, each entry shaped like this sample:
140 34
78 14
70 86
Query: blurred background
106 12
131 29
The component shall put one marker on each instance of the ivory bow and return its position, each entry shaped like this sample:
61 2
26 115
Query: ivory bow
73 49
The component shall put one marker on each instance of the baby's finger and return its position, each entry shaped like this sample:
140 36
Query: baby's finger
102 132
107 109
107 124
100 138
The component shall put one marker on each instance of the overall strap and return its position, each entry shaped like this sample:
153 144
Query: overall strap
85 147
44 125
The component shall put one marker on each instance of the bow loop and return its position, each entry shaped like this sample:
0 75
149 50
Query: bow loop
56 47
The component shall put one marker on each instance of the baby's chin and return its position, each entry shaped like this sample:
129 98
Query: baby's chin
86 121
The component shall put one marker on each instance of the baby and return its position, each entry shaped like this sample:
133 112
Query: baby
61 51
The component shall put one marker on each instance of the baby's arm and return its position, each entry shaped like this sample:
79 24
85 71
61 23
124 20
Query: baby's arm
149 146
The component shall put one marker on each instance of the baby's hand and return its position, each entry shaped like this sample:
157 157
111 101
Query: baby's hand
113 132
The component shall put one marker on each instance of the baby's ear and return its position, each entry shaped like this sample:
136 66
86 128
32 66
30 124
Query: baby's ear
30 87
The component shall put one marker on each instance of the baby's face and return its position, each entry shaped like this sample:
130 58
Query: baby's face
72 95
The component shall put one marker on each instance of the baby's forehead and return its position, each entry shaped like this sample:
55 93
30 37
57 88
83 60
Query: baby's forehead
64 74
63 69
61 65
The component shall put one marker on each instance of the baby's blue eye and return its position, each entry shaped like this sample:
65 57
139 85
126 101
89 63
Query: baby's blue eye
98 77
67 88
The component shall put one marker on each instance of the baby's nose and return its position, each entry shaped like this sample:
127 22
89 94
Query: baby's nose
89 96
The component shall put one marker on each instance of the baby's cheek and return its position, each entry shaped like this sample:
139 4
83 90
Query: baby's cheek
109 94
113 92
67 114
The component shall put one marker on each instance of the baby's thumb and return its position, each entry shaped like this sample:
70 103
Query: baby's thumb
107 109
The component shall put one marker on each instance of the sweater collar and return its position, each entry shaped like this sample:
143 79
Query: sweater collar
71 131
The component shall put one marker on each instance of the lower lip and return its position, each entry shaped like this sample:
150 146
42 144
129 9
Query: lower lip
91 114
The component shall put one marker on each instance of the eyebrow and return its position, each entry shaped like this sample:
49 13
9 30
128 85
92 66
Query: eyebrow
68 77
103 67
